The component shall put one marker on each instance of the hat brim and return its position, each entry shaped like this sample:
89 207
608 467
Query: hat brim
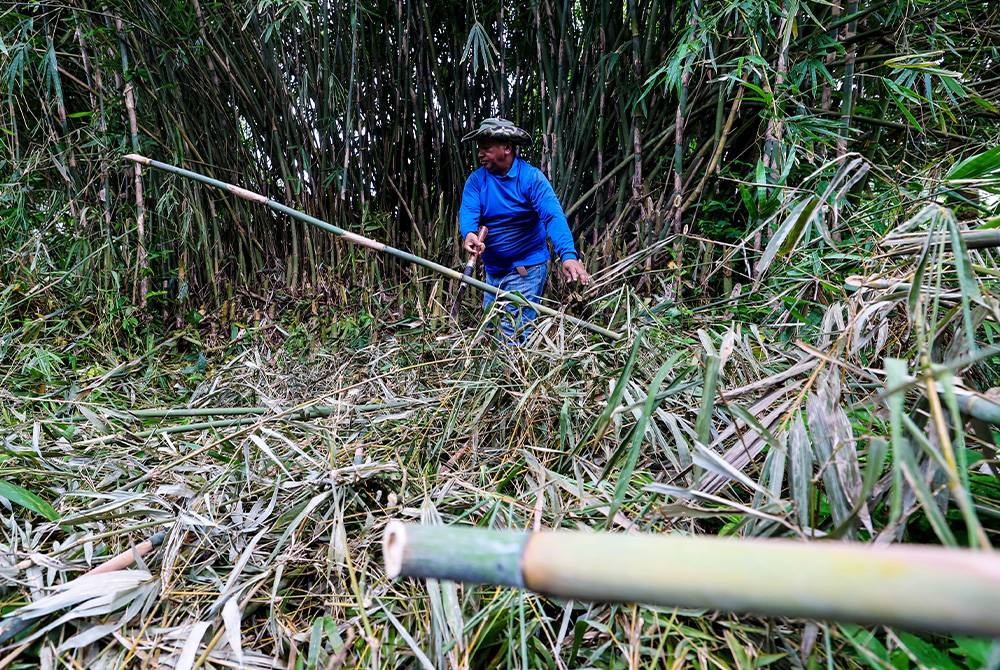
514 136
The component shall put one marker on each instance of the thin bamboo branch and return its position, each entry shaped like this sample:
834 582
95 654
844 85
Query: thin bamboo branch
916 587
141 260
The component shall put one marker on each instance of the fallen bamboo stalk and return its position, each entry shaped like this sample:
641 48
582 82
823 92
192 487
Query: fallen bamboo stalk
171 430
245 416
896 287
369 243
13 624
914 243
312 411
28 562
129 556
915 587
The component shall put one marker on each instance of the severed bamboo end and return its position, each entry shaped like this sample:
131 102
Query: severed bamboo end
393 542
136 158
487 556
125 559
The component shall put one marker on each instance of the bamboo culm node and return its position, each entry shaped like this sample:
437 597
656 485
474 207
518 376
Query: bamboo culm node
369 243
917 587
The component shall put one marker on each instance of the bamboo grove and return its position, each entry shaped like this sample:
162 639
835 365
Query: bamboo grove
789 208
652 118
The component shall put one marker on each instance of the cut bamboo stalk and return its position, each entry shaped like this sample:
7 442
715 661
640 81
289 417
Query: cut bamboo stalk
370 243
128 557
913 243
12 626
896 287
979 406
915 587
308 412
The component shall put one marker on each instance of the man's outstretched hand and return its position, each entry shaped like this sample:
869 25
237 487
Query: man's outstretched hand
573 270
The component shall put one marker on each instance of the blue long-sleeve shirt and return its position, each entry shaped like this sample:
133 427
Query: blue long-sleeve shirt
521 210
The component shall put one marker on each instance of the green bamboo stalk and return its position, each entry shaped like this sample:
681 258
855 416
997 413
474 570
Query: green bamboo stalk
171 430
369 243
915 587
247 416
310 412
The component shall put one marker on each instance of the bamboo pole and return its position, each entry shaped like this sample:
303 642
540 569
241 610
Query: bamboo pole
914 243
916 587
369 243
13 625
307 413
126 558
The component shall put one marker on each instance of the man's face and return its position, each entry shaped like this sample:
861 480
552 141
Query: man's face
495 156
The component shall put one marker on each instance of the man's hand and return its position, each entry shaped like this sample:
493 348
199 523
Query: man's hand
473 244
573 270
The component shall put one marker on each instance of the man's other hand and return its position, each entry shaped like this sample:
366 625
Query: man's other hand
472 245
573 270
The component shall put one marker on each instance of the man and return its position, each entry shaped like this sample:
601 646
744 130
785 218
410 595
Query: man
516 203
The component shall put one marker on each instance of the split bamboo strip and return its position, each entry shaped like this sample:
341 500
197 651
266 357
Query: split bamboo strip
369 243
916 587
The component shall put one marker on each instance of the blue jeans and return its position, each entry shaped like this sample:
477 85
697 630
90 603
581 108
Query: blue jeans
515 319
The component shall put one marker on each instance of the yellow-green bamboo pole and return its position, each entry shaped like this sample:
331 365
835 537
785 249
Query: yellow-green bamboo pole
917 587
367 242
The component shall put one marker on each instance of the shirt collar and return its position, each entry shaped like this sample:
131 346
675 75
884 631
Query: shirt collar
515 168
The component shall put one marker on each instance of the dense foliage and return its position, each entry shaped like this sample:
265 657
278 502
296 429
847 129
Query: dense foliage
790 210
650 118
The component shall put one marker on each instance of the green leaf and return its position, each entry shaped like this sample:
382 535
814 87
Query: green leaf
927 654
703 425
980 166
788 234
638 437
599 427
977 650
27 499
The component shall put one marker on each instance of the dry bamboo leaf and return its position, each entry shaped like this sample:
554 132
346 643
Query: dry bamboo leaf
189 652
231 618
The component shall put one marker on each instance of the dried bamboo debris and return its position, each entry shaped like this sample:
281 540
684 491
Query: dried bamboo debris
283 488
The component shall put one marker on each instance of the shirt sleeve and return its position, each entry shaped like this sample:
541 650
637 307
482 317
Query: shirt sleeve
469 212
550 212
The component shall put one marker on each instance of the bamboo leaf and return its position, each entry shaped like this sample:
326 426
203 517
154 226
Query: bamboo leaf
598 428
703 427
638 436
231 617
788 234
189 651
800 463
984 165
28 500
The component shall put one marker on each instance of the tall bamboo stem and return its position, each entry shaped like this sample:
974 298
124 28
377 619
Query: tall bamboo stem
917 587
